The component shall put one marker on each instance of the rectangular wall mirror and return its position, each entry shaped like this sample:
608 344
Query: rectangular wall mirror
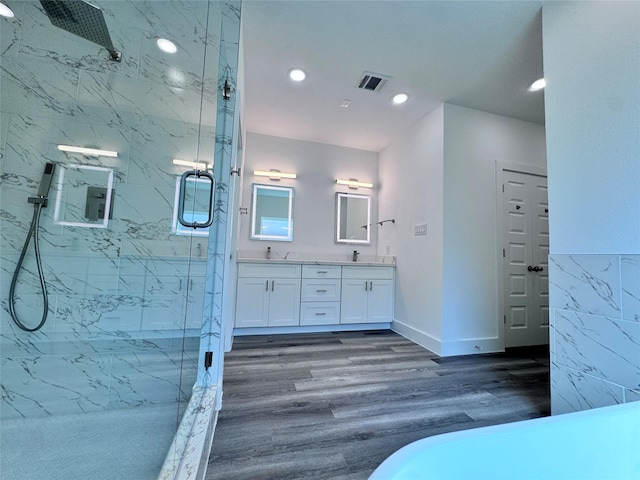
353 218
272 213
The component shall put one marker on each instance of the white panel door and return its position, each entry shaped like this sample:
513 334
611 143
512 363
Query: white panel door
526 249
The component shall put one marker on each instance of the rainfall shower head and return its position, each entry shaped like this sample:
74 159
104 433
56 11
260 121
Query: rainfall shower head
82 19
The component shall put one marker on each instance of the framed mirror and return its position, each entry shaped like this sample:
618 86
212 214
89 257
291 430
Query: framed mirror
353 218
271 213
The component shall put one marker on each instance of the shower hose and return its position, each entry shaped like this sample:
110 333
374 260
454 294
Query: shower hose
33 232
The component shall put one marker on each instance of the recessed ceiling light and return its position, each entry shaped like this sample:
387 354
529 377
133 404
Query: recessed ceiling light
400 98
166 45
5 11
538 85
297 75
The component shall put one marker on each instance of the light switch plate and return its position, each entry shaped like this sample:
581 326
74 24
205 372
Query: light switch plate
420 229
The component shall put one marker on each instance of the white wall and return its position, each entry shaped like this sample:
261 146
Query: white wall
443 173
592 103
473 142
411 192
317 166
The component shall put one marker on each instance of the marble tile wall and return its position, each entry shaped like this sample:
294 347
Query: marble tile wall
595 331
121 299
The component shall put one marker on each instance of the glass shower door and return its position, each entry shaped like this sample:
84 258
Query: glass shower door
99 389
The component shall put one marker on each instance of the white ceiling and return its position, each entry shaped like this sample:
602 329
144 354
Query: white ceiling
478 54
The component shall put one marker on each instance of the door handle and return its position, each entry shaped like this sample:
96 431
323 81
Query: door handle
200 175
534 269
266 287
371 286
273 285
366 286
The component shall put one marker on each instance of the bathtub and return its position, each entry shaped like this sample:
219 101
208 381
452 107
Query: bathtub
603 443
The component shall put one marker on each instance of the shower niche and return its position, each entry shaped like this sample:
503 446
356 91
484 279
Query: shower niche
85 196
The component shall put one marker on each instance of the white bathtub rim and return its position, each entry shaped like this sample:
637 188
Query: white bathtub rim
399 466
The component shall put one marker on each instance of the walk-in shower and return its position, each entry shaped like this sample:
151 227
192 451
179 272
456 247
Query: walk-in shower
98 373
39 202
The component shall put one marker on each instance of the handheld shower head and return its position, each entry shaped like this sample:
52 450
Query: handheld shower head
45 185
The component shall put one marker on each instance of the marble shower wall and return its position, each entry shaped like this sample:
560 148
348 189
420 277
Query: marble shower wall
121 299
595 331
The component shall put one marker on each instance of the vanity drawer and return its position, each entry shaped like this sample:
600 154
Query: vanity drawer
319 313
319 290
321 271
267 270
368 273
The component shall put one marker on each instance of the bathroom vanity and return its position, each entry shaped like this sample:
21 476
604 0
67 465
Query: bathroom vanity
306 294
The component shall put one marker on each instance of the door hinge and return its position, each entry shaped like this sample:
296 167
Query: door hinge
505 319
236 171
503 253
503 188
208 360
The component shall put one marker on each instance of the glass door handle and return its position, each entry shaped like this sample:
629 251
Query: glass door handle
200 176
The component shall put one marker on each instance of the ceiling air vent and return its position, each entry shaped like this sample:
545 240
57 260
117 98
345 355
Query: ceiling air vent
373 81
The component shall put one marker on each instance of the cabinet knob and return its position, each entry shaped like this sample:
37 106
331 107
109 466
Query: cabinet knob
321 291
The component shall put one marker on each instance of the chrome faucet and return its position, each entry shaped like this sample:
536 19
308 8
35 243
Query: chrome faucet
355 255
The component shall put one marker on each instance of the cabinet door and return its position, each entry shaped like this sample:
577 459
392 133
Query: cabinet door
284 302
353 307
380 301
252 303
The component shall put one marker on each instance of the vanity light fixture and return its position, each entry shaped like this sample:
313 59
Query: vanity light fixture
166 45
537 85
5 11
89 152
353 183
194 165
274 174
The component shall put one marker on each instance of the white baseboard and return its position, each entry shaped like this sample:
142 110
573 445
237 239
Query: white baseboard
448 349
423 339
472 346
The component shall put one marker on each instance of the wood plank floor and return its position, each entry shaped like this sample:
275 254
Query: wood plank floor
335 405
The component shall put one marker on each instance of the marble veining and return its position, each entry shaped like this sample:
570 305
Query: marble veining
573 391
585 283
595 332
186 451
604 347
630 275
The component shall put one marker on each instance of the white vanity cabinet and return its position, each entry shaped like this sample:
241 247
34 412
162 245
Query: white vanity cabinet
367 294
329 296
320 296
268 295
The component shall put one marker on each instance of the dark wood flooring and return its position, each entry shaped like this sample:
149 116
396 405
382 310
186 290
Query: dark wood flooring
335 405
